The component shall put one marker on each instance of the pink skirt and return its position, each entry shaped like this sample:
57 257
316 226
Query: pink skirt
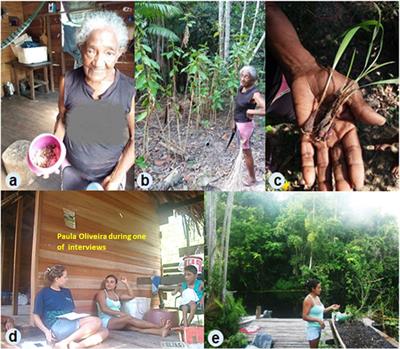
245 130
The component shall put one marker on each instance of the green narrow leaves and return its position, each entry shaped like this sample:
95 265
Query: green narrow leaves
345 42
383 82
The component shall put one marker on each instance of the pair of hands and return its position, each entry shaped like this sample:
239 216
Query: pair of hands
340 155
49 336
332 307
107 183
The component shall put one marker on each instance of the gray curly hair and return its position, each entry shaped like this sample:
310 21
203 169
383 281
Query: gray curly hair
251 70
103 19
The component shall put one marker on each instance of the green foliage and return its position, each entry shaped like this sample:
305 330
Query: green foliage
238 340
224 316
154 10
376 27
354 312
280 244
141 163
210 83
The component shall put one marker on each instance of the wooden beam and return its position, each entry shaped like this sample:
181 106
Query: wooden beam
35 252
17 254
183 203
49 51
185 251
11 199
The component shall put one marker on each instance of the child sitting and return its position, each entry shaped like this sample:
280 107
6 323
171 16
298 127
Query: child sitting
192 293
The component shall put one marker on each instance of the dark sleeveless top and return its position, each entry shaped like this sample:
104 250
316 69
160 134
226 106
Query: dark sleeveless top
96 130
242 103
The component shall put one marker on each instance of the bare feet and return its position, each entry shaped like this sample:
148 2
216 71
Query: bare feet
73 345
165 331
165 322
61 345
248 182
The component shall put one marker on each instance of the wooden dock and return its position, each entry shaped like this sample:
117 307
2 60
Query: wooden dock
287 333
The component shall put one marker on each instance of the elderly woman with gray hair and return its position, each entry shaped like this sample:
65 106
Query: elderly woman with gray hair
248 103
96 108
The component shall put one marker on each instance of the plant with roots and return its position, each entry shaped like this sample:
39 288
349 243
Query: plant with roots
320 123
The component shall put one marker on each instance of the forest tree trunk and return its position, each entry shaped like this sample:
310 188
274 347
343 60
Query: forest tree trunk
257 47
254 23
211 225
227 29
228 219
243 16
221 27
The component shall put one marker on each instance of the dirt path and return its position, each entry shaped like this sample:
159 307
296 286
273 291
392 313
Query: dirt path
206 163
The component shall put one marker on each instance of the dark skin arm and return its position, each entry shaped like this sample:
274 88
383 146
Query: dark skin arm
260 109
340 153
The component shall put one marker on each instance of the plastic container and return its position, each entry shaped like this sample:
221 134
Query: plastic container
193 335
155 316
194 260
32 54
137 307
94 186
40 142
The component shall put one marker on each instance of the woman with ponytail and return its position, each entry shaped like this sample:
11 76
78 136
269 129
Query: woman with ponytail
55 300
313 312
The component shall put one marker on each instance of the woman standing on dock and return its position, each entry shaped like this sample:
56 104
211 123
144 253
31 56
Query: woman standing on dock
313 312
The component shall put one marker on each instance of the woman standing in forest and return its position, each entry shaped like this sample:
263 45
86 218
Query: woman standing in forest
313 312
248 103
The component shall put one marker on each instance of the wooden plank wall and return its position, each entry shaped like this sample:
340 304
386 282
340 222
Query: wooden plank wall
13 9
126 62
103 212
8 238
26 251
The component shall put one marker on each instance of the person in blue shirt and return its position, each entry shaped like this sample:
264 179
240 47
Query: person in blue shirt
192 294
56 300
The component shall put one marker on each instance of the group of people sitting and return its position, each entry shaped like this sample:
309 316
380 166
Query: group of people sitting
55 300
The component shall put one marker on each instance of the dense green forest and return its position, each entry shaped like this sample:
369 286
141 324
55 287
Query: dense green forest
277 241
187 61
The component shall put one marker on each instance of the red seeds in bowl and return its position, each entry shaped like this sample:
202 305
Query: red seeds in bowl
46 157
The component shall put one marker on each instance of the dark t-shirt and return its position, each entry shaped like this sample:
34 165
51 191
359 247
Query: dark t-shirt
243 103
96 130
50 303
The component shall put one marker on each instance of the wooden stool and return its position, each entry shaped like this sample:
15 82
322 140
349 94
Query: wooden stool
34 83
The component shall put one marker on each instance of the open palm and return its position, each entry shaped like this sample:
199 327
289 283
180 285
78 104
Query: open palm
340 154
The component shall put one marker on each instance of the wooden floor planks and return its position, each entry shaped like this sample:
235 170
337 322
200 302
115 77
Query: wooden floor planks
287 333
